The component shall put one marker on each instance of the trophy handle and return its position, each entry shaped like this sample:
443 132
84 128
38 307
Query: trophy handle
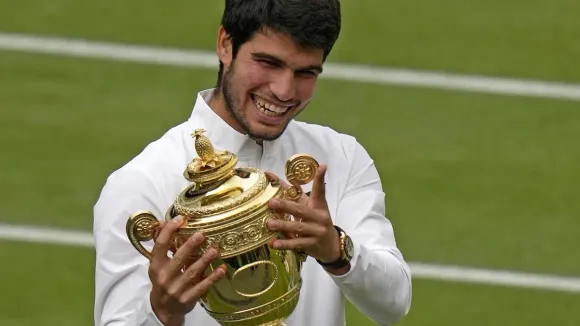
300 170
142 226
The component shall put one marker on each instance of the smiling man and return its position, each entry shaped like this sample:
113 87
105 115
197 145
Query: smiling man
271 53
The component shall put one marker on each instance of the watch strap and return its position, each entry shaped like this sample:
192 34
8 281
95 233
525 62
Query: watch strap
343 260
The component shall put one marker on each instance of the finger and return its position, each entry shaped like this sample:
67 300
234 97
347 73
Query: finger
161 246
295 243
198 291
273 177
301 228
281 235
288 235
185 253
195 272
297 210
318 195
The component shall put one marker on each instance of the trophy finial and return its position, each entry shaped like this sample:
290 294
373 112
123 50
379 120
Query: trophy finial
210 163
203 145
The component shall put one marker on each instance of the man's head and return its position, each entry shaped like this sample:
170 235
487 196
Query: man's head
271 53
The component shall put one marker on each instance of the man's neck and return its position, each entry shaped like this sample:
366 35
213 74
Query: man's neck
218 105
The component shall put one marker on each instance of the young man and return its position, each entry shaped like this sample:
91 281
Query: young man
271 53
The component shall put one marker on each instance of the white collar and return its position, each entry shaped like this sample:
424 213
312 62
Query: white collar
221 134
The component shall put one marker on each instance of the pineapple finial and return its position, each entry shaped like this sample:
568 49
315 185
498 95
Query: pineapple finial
203 146
211 164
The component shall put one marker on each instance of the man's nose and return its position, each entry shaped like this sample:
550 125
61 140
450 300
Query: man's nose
283 86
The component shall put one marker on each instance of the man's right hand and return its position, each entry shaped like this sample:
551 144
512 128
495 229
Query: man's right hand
175 292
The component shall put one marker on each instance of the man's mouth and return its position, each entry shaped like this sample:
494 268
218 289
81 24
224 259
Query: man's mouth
268 108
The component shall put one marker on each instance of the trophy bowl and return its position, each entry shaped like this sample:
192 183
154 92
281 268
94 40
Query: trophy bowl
229 205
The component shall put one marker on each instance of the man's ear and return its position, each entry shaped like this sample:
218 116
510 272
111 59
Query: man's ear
224 46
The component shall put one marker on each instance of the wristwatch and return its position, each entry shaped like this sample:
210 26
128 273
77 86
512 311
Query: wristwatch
346 251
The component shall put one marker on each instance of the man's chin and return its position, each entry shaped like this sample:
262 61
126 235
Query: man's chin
266 134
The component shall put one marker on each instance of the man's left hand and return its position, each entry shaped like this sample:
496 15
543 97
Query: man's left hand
312 230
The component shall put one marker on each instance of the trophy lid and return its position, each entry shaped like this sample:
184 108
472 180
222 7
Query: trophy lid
220 193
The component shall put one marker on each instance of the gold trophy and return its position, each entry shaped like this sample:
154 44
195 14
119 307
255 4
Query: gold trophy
229 206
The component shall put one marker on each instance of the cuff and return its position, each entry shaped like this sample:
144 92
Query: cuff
149 317
353 264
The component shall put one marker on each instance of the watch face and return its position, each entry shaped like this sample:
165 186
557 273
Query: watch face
348 247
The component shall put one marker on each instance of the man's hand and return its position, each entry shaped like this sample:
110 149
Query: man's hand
312 229
175 291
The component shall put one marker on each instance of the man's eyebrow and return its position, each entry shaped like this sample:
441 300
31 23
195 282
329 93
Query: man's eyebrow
317 68
274 59
265 56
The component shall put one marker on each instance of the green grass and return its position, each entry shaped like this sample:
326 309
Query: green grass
471 179
56 285
492 170
57 281
518 37
45 285
438 304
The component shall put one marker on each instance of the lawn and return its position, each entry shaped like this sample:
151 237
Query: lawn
471 179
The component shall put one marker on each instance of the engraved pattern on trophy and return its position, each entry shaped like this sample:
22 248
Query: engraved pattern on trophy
229 206
144 229
241 239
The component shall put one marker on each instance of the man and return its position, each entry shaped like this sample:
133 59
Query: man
271 53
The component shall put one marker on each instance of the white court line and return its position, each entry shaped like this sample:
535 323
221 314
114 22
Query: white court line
418 270
46 236
359 73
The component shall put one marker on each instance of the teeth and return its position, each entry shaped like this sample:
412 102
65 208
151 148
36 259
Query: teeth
269 108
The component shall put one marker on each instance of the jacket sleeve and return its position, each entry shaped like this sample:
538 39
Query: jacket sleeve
378 283
122 285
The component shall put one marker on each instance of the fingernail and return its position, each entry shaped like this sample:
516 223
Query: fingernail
274 203
277 245
178 219
220 272
273 225
212 253
198 237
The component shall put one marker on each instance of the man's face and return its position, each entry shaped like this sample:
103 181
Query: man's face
270 81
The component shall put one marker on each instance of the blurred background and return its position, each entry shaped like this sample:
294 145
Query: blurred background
481 175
